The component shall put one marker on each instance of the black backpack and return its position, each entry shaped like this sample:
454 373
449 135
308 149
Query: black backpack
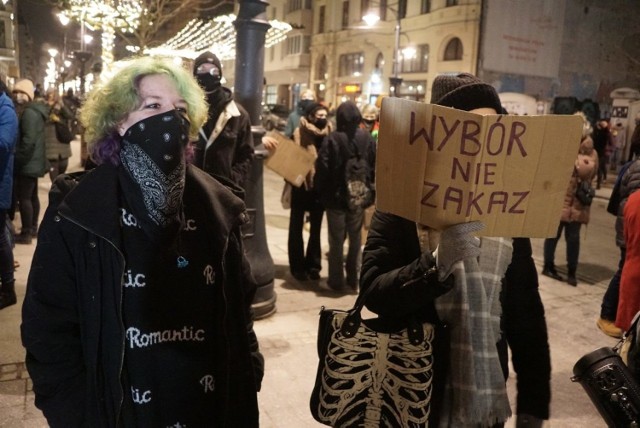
358 189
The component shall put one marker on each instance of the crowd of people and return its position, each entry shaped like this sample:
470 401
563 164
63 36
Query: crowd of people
160 214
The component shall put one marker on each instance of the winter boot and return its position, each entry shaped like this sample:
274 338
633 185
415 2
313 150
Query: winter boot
550 271
571 277
8 294
24 238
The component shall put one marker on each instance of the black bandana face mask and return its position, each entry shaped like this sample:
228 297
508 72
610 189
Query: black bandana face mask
153 155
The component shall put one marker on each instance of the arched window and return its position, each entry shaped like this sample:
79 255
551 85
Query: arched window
322 68
453 51
379 62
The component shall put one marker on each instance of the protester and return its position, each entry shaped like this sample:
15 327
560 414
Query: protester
30 160
307 98
629 299
225 143
58 152
370 122
602 142
627 183
312 130
348 141
138 304
574 212
8 135
426 276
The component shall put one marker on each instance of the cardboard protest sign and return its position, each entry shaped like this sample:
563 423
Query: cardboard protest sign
289 160
440 166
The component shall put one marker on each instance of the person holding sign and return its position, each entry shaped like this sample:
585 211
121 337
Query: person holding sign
574 212
485 290
312 129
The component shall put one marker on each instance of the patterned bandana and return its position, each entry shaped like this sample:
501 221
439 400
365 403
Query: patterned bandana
153 156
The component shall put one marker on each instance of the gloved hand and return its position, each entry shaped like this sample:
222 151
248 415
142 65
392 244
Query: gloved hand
456 244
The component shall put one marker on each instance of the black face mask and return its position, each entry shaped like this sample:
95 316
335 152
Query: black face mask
152 154
320 123
369 122
208 81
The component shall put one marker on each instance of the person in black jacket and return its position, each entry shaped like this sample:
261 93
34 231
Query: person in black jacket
347 142
225 144
412 267
138 303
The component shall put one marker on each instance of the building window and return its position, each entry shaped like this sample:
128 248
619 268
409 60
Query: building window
364 7
452 3
345 14
294 5
351 64
379 63
321 18
418 62
402 8
383 10
322 69
413 90
297 45
425 6
271 94
453 51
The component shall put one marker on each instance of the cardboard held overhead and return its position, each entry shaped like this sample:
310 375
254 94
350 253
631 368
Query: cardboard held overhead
439 166
289 160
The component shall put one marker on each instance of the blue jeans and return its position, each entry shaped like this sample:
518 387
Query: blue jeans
572 238
6 250
609 308
343 224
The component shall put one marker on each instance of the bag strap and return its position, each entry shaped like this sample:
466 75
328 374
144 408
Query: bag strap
354 319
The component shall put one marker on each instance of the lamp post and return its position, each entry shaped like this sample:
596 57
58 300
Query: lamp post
251 27
395 80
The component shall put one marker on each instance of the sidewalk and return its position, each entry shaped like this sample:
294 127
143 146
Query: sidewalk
288 338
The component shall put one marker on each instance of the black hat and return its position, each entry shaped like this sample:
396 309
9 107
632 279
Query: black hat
464 92
207 57
311 109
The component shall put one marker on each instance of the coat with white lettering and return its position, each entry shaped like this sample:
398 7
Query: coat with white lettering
586 166
72 324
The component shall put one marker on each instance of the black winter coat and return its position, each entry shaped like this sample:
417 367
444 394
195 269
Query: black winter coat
72 324
391 259
336 149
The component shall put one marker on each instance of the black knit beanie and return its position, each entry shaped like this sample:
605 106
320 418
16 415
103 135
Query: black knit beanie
464 92
207 57
312 108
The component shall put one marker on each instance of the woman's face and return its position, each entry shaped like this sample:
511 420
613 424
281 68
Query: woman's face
157 94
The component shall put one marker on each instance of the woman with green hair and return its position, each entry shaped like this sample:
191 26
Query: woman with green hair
138 304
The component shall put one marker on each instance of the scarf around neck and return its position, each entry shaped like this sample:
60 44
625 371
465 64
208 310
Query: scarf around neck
475 393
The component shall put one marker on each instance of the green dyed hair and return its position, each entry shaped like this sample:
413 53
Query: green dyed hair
109 103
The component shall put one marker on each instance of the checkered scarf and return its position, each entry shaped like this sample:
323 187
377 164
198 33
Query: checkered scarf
475 393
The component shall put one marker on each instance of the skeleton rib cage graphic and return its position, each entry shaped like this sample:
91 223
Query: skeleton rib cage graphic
376 379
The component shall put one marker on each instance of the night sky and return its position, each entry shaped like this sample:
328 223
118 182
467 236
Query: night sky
43 25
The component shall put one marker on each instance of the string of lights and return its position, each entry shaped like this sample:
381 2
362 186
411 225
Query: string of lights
216 35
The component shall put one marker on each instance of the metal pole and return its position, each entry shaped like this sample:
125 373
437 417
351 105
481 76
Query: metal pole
251 28
395 81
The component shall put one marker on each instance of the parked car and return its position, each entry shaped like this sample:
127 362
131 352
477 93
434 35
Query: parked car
274 116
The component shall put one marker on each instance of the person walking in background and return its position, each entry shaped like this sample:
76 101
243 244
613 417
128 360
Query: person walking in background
602 144
8 135
225 144
450 276
629 299
574 213
30 159
58 152
370 121
138 304
331 181
311 131
307 98
627 183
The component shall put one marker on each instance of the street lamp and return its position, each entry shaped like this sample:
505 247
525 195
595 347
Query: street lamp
371 19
